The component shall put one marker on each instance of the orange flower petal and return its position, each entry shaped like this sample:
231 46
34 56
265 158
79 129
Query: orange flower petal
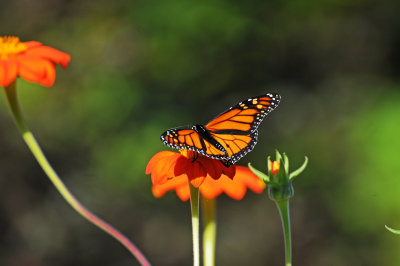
154 160
182 164
183 191
248 178
160 166
162 171
233 188
196 170
180 184
50 53
210 189
37 70
8 72
275 166
32 44
197 181
175 183
212 166
229 171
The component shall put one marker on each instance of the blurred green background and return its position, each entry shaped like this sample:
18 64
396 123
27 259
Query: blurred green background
141 67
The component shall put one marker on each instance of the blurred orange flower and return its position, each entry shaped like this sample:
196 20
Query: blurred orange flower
173 171
31 61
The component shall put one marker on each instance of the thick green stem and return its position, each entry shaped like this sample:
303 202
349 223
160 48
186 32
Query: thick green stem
55 179
283 206
210 231
194 204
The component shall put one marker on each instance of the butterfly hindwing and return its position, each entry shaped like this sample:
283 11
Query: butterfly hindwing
237 145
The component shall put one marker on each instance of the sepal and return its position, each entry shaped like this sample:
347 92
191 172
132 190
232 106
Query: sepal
300 169
259 174
394 231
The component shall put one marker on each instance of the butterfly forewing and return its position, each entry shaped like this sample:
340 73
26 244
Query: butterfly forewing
245 116
190 140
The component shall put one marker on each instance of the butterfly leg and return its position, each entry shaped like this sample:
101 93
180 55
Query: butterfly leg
196 155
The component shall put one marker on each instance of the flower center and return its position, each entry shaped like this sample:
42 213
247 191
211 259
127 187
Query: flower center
10 46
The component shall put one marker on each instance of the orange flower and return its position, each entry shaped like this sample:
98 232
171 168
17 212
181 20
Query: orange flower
30 60
167 165
172 171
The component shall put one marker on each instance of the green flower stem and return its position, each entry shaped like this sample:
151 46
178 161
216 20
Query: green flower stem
55 179
210 231
283 206
194 204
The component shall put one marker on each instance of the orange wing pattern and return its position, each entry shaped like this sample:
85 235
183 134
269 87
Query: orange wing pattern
230 135
236 146
245 116
189 139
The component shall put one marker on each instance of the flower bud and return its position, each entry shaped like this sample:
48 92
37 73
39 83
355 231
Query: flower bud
278 178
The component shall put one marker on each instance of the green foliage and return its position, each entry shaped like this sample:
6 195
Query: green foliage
373 179
182 39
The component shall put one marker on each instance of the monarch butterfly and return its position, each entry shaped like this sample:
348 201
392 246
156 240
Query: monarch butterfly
229 136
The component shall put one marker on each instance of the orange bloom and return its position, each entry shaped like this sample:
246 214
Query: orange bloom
172 171
31 61
167 165
275 166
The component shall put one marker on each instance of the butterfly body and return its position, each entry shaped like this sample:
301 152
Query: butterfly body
205 135
230 135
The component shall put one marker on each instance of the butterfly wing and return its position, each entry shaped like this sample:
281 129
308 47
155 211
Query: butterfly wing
236 146
189 139
245 117
236 128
